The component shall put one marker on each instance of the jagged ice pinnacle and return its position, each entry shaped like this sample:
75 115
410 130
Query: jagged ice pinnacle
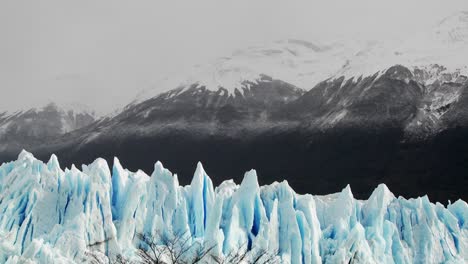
48 215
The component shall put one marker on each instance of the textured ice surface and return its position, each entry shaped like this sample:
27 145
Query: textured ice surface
52 216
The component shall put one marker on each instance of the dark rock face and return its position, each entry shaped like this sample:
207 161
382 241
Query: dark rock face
394 127
390 99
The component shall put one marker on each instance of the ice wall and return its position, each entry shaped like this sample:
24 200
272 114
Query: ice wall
52 216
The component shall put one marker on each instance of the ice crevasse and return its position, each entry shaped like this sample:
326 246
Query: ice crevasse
48 215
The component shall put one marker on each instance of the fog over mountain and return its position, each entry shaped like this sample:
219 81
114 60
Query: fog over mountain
102 54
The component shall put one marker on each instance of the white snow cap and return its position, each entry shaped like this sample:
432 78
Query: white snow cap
306 63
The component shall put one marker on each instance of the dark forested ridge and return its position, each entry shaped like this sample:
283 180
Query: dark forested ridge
315 162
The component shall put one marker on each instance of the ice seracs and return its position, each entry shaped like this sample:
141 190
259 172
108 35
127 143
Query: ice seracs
48 215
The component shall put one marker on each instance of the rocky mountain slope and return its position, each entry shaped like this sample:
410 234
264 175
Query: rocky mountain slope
32 127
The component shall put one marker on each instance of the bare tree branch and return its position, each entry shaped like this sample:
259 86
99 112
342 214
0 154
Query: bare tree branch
179 248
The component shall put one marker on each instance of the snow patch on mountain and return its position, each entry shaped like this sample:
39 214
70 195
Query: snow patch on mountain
53 216
69 108
43 122
298 62
304 64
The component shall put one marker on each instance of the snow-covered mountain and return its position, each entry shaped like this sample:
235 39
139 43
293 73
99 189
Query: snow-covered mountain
53 216
443 45
305 64
298 62
430 66
27 128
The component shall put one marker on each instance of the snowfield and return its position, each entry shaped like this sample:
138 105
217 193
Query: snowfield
48 215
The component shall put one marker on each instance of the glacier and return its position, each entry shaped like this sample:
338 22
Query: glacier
50 215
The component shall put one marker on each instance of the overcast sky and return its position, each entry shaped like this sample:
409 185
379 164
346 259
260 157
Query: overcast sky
103 52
